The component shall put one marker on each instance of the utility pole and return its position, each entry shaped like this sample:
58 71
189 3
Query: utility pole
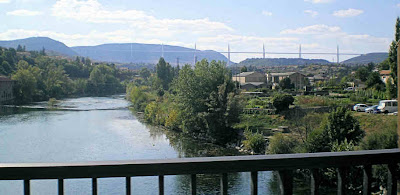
263 51
300 51
195 57
162 50
337 53
229 55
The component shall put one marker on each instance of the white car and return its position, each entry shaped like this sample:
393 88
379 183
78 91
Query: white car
360 107
387 106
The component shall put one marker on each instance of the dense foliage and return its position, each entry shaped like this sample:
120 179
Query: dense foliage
200 101
282 101
39 77
339 127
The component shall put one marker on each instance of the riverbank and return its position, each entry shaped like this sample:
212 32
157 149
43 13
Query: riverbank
104 135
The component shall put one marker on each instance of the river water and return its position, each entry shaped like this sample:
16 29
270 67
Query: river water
99 129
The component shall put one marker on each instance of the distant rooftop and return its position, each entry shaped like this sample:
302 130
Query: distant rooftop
282 73
243 74
253 83
385 72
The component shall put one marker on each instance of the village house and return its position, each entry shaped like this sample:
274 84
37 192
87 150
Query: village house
250 80
385 75
6 90
296 78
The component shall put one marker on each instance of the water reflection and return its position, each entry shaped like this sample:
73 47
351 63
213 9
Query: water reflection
28 135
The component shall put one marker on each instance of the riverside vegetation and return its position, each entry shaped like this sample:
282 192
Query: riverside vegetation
39 77
203 102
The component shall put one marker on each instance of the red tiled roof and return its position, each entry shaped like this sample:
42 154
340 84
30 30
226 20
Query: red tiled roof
385 72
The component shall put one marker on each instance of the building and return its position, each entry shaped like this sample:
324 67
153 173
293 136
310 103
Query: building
6 89
247 77
296 78
385 75
250 80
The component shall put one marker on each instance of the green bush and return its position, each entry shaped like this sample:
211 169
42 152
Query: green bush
385 139
282 101
254 141
282 144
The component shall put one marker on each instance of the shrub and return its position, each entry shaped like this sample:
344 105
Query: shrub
282 144
254 141
282 101
172 121
385 139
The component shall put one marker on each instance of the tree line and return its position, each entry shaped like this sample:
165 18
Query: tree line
39 77
201 101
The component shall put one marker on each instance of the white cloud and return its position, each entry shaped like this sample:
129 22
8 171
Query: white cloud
313 29
93 12
319 1
266 13
24 12
348 12
5 1
312 13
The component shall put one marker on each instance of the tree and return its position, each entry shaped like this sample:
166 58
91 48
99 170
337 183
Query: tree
282 101
286 83
144 73
207 99
164 73
374 81
393 52
362 73
243 69
254 141
390 89
43 52
19 48
282 144
385 65
339 127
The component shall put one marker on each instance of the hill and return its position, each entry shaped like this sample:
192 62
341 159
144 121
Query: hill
125 53
281 61
38 43
367 58
145 53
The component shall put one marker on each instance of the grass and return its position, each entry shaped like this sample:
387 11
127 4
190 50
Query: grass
376 122
260 122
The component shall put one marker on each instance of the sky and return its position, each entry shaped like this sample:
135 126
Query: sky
356 26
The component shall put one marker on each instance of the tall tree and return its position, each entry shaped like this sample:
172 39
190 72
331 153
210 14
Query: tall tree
393 52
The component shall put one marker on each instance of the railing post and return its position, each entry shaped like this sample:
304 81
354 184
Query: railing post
398 89
128 185
315 180
341 176
254 183
392 180
60 187
94 186
224 183
285 178
367 179
161 184
193 184
27 187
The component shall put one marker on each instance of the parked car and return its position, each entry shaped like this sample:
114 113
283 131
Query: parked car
349 89
387 106
360 107
372 109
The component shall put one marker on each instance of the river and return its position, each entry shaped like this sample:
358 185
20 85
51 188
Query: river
99 129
